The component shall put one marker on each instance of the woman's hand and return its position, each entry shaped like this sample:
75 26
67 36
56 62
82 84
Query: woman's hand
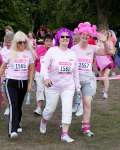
48 83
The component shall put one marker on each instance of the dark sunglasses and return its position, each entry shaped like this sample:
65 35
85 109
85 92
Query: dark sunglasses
21 42
67 37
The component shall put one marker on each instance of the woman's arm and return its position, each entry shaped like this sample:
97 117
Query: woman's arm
2 68
45 68
106 47
76 77
31 71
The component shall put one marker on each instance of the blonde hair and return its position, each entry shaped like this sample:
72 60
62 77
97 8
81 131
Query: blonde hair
20 36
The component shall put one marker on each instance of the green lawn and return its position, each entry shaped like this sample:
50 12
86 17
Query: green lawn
105 123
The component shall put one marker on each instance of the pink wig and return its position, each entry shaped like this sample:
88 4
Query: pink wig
86 27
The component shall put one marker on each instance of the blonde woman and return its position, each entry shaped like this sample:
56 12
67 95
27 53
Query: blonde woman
19 77
105 64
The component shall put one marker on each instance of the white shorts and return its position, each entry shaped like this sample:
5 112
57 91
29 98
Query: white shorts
40 88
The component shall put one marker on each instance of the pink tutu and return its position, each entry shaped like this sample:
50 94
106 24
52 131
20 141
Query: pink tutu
103 62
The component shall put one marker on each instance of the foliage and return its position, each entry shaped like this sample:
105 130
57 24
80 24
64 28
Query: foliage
30 14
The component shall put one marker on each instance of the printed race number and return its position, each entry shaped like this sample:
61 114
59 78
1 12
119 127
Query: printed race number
84 66
64 69
20 67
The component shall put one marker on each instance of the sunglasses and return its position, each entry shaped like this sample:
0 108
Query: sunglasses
67 37
21 42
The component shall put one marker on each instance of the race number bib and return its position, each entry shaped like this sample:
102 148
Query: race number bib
65 67
84 64
20 66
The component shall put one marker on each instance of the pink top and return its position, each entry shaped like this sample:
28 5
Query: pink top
61 67
40 52
103 62
18 66
85 59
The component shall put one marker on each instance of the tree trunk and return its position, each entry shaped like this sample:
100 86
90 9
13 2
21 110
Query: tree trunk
101 15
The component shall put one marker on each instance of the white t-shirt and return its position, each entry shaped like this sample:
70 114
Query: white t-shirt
18 66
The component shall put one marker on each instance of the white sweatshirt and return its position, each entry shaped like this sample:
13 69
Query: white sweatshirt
61 68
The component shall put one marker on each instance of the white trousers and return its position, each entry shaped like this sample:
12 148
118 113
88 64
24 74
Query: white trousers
40 88
52 98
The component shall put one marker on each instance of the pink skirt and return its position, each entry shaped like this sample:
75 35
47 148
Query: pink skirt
104 62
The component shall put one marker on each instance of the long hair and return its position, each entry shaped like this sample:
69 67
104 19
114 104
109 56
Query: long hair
20 36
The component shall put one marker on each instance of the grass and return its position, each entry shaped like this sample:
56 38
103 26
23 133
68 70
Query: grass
105 123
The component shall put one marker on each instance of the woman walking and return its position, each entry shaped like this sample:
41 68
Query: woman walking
19 77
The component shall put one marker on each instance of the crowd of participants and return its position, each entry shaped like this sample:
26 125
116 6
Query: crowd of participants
63 66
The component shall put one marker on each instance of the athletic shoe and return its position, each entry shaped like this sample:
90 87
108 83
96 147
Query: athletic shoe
13 135
7 111
66 138
38 111
19 130
43 127
105 95
88 133
79 111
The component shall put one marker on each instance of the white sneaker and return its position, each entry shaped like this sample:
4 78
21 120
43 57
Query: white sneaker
66 138
7 111
43 127
105 95
75 107
13 135
38 111
79 110
19 130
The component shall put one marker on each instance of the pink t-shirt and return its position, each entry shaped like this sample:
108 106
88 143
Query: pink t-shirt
40 51
85 58
18 66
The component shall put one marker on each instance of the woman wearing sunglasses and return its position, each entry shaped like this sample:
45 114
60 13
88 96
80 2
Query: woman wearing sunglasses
20 62
60 78
85 54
